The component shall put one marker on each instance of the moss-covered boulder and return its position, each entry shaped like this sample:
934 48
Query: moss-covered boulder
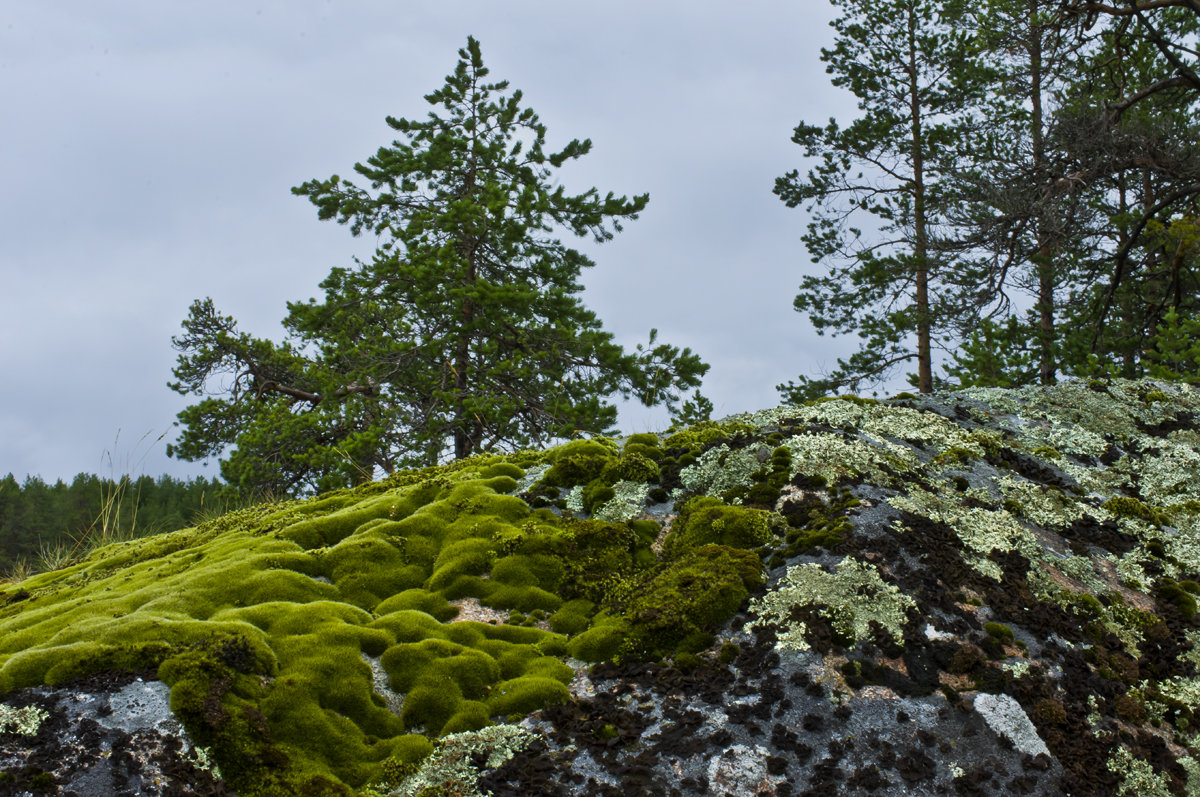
975 592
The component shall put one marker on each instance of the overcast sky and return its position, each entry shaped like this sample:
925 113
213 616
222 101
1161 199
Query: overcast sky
147 150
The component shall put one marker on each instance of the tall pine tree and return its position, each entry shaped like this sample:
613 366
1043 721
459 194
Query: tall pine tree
463 334
884 184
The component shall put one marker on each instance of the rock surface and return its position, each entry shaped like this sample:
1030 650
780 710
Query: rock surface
980 592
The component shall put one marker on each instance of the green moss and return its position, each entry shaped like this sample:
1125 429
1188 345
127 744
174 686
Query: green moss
955 455
470 716
430 704
1126 506
405 661
693 594
999 632
514 571
641 439
548 667
420 600
599 643
597 446
595 493
472 556
526 694
525 599
366 570
467 586
411 748
1047 452
707 521
636 467
704 434
471 670
572 617
502 469
330 529
1174 594
598 558
500 484
552 646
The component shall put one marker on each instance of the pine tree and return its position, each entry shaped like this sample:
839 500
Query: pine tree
884 183
995 355
1138 165
464 333
1025 215
1175 355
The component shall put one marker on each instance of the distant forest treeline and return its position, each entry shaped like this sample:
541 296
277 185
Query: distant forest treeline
40 520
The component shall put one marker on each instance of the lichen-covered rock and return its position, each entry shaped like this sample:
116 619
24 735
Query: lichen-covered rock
979 592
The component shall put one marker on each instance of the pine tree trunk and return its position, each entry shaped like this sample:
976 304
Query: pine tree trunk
464 443
921 235
1044 259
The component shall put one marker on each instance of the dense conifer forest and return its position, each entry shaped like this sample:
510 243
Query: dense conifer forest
43 524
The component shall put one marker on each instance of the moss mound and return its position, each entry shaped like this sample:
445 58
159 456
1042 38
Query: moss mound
275 627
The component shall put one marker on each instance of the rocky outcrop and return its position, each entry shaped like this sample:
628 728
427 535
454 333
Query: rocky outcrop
979 592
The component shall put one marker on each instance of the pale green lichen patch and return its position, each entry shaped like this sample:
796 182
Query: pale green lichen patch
1065 438
927 429
982 530
851 598
628 501
1171 474
1138 778
835 458
451 769
1046 506
22 721
719 469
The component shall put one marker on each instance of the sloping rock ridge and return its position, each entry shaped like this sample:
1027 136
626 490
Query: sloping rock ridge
979 592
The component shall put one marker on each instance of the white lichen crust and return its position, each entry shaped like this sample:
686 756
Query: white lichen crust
1004 715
